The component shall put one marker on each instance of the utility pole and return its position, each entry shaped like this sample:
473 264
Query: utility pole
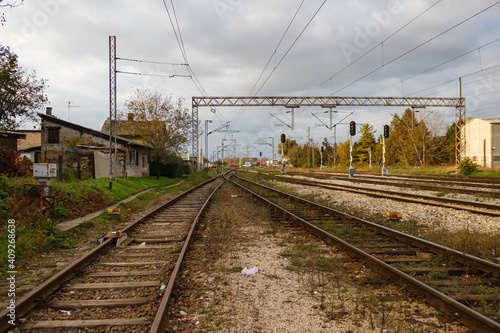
206 137
112 106
222 152
334 127
272 149
309 150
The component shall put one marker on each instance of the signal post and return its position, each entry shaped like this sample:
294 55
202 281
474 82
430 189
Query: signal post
352 132
385 136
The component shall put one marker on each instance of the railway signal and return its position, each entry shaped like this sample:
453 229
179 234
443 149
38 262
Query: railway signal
352 132
385 136
386 131
352 128
283 138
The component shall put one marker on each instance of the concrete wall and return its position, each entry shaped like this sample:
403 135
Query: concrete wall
101 164
483 143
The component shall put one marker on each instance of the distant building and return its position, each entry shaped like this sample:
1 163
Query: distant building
482 141
62 139
129 128
8 139
31 145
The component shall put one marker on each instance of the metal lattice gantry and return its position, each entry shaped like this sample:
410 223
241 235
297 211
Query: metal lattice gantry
294 101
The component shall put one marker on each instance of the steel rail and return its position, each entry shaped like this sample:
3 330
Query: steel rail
447 305
393 195
161 319
29 301
495 194
461 178
402 179
464 258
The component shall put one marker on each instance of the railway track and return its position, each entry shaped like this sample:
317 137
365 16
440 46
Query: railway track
125 287
461 286
486 189
461 179
488 209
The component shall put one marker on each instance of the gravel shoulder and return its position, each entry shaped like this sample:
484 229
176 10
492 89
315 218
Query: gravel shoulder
284 296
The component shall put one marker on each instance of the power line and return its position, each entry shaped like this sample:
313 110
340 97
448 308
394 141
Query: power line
416 47
277 46
158 75
152 62
373 48
236 118
434 67
180 43
455 79
291 46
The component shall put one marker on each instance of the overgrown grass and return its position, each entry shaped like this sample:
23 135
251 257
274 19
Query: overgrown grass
41 235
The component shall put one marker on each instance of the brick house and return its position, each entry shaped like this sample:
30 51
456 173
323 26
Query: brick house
31 145
89 148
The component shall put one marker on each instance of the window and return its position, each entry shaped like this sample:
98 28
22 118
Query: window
136 157
53 135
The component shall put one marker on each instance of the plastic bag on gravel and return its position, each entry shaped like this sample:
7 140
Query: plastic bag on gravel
250 271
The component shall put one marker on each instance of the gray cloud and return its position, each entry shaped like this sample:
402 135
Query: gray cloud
228 42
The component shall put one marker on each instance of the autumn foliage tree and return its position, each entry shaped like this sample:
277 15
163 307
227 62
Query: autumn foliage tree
21 93
163 124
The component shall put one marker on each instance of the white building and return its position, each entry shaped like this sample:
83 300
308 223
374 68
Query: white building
482 141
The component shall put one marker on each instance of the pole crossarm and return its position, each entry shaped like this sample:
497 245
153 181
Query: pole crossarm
328 100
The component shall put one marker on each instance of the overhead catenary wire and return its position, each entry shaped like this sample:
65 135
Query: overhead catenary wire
376 46
180 43
277 46
158 75
436 66
153 62
416 47
237 117
455 79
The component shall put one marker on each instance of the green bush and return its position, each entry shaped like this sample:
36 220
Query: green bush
61 212
186 169
467 167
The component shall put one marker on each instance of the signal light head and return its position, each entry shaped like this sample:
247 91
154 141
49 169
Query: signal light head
386 131
352 128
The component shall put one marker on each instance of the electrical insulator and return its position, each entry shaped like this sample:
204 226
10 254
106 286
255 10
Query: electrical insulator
352 128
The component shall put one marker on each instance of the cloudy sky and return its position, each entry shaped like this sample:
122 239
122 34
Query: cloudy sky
415 48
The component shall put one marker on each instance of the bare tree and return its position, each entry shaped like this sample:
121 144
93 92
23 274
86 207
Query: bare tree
10 4
163 124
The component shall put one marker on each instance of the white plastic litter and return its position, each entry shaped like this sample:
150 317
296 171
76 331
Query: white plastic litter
163 287
142 244
250 271
66 312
